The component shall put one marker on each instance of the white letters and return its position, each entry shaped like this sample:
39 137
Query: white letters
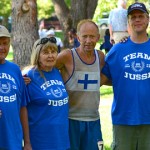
50 83
137 76
136 55
7 99
7 76
59 102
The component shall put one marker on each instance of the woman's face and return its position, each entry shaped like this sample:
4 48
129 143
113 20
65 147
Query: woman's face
47 59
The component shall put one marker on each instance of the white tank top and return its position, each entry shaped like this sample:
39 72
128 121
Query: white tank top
83 89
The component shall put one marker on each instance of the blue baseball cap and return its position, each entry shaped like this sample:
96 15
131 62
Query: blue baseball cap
137 6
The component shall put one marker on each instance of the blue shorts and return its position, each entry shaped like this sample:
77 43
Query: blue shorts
84 135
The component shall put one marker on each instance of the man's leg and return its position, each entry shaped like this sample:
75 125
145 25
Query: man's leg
144 137
124 137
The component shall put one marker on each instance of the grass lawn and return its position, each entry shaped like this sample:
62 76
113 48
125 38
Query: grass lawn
105 114
10 54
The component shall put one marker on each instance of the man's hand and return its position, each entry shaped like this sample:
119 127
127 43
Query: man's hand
124 39
112 40
27 147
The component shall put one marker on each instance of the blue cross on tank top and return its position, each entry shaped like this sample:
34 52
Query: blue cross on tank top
86 81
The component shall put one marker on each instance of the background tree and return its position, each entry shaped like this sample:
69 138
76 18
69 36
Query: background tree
24 29
25 22
70 16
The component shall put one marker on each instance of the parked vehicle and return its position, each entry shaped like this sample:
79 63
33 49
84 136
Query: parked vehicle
103 22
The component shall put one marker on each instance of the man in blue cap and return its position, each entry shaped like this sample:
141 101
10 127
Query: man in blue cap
128 67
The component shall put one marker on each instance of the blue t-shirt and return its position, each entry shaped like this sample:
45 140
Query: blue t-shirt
12 98
48 111
128 66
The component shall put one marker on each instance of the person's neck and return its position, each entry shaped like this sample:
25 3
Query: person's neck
139 38
46 69
2 61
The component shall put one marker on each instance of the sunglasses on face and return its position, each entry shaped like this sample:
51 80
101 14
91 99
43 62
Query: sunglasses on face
45 40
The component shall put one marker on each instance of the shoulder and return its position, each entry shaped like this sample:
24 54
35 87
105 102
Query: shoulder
101 54
64 54
12 65
102 58
63 58
118 49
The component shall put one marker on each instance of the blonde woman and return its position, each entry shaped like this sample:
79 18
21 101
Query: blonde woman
48 107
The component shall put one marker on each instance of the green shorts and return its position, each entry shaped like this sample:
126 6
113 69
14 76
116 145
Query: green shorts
135 137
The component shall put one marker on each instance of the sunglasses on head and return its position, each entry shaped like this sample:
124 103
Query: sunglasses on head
45 40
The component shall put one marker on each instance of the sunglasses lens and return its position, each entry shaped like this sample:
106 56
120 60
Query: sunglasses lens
44 40
53 40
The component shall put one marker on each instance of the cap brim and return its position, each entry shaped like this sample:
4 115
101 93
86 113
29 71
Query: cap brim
138 9
4 35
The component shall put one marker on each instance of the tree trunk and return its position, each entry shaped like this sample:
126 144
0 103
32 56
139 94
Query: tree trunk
82 9
24 29
69 18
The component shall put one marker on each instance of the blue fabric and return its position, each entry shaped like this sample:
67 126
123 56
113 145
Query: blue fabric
84 135
48 111
106 45
128 65
12 97
76 43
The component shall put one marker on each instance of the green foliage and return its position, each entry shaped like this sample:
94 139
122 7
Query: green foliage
45 8
10 54
106 91
108 5
59 34
68 2
5 8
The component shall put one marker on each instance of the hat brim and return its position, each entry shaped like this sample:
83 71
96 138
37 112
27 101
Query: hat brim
4 35
137 9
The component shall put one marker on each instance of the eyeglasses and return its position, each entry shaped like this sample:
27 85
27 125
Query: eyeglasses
45 40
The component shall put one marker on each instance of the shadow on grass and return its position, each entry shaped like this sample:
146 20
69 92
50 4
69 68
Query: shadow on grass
106 90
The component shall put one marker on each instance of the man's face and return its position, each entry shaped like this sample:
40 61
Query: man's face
138 21
88 36
4 48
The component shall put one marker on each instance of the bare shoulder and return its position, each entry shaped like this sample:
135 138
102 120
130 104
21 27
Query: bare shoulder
102 57
63 58
65 64
101 54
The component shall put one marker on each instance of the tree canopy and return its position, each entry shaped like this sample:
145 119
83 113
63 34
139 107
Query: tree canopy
46 8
